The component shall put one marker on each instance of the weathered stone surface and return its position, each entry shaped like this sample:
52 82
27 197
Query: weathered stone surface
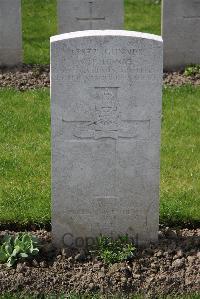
181 33
76 15
106 109
10 32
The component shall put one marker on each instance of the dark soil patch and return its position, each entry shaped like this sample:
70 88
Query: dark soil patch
179 79
30 226
37 76
34 226
169 267
25 77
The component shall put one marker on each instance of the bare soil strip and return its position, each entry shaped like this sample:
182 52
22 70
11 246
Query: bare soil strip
169 267
28 77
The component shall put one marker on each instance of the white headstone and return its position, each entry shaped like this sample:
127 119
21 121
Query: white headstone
76 15
10 32
181 33
106 109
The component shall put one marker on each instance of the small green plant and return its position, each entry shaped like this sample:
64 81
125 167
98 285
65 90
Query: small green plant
115 250
192 70
14 248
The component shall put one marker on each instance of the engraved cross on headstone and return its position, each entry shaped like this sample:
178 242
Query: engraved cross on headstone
107 121
91 18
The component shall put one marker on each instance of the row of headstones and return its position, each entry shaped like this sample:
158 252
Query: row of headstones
180 30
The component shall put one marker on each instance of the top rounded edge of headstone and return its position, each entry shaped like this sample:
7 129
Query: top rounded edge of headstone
88 33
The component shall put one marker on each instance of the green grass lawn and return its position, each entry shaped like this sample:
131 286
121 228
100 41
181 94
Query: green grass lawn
143 15
40 22
180 156
25 156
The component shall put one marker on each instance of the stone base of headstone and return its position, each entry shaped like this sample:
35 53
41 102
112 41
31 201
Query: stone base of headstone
10 33
181 33
10 58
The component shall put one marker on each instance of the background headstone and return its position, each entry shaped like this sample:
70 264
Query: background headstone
10 32
77 15
106 109
181 33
